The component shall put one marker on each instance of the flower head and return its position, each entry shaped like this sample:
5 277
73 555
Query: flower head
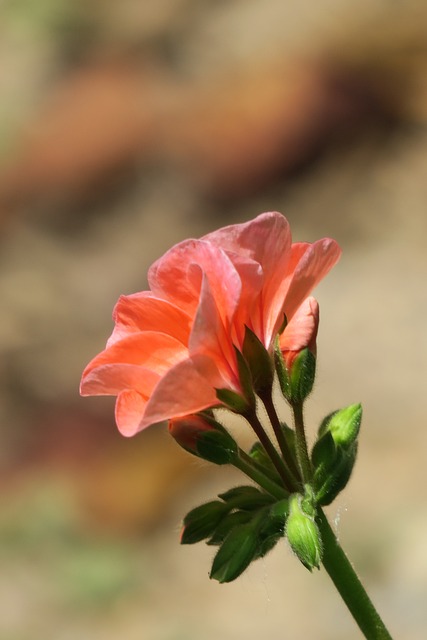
174 345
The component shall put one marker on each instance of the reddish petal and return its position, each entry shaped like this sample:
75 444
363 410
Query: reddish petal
143 312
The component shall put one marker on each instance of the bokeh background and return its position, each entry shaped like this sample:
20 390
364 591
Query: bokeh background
126 127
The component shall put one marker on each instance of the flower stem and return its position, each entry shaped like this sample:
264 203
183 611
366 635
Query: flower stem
301 443
348 584
281 440
272 452
244 464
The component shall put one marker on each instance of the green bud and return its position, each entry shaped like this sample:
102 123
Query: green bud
296 382
334 453
301 376
332 471
343 425
303 534
217 447
201 522
202 436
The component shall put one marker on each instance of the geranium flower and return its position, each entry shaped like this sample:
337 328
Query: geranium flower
174 345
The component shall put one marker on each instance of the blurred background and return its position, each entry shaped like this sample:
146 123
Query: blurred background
126 127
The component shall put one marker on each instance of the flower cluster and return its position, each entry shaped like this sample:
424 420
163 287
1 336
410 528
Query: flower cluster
225 317
184 333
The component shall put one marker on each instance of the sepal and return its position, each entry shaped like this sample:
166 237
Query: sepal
259 362
232 400
236 553
201 522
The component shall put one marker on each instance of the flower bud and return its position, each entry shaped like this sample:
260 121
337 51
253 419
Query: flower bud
343 425
204 437
303 534
334 453
297 382
295 353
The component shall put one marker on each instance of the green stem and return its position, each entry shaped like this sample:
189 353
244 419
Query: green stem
244 463
348 584
272 452
281 440
301 443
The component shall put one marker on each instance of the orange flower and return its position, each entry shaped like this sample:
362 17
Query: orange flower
173 346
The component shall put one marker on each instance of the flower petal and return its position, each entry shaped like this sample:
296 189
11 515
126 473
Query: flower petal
130 408
128 358
314 261
210 338
144 312
177 277
301 331
185 389
266 240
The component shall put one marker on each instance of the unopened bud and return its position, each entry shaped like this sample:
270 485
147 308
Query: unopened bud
303 534
334 453
343 425
204 437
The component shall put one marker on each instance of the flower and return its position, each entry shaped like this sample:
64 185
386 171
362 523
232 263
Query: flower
174 345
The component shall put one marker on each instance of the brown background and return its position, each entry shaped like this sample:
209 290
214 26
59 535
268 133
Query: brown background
126 127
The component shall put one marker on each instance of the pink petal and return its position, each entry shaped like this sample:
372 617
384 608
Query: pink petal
210 338
301 331
177 277
111 379
130 408
314 261
134 354
143 312
183 390
266 240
